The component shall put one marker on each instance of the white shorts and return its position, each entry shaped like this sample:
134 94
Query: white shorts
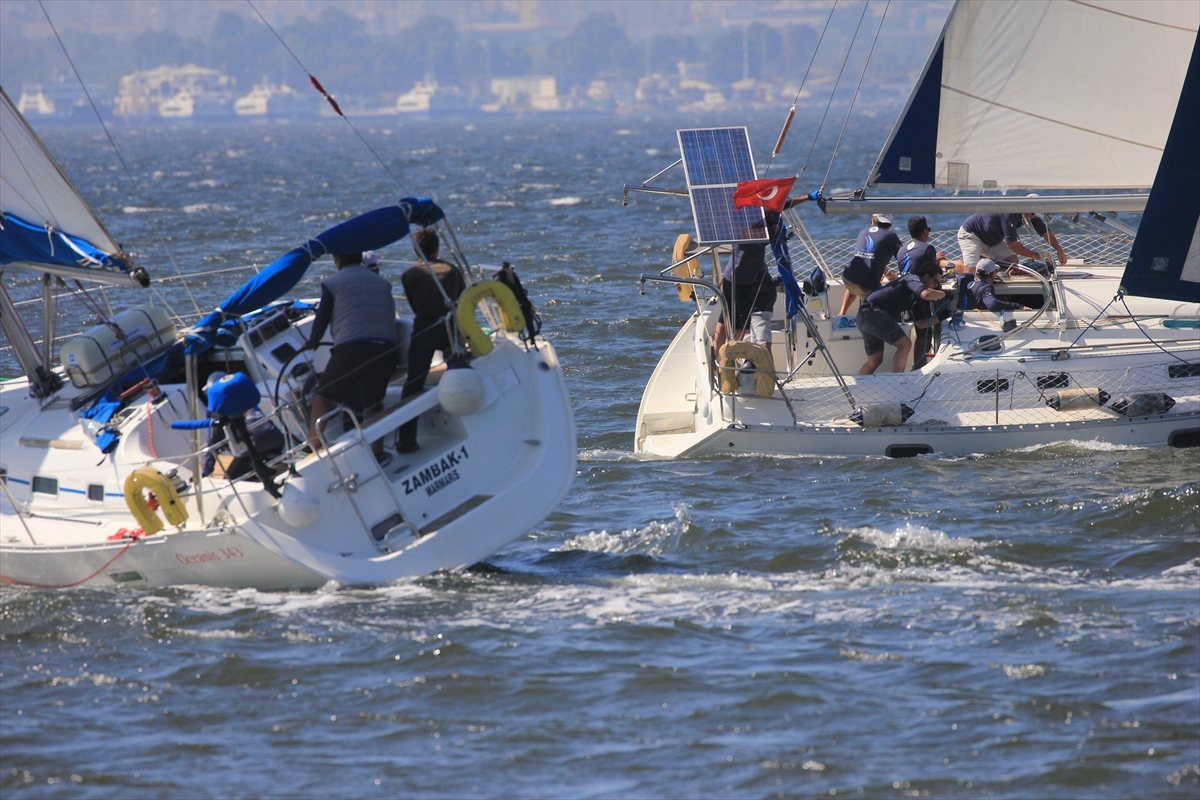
973 249
760 327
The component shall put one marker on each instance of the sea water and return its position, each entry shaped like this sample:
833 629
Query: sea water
1025 624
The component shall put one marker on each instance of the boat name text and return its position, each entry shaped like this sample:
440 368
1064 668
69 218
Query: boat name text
438 475
209 556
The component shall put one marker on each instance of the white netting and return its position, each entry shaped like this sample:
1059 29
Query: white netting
1092 248
986 396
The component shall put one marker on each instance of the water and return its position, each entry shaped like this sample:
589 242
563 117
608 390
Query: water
1018 625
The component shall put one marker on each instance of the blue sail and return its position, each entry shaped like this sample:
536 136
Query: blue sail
1165 260
909 158
369 231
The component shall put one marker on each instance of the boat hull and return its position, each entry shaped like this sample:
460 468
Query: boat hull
478 482
965 400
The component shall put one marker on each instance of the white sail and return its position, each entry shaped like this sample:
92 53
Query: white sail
34 188
1068 94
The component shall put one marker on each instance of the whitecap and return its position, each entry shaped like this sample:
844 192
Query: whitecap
916 537
500 203
565 201
141 209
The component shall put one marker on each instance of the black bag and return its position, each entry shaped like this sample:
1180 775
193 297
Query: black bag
508 276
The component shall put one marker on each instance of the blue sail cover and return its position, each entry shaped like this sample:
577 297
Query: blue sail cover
24 242
1165 260
369 231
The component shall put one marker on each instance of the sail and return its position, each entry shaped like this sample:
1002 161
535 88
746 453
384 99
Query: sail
1043 94
46 223
1165 260
368 231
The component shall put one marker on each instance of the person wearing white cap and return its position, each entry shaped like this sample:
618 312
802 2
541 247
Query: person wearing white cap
877 246
982 290
370 260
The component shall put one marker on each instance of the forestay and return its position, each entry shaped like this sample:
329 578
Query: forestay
46 221
1044 94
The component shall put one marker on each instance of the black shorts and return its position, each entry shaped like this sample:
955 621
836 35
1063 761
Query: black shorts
357 374
876 328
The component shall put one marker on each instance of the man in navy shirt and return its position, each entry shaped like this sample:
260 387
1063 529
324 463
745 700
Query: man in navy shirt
995 236
983 292
877 245
879 316
919 251
915 254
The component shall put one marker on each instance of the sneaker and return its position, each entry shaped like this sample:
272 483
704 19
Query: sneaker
407 447
383 459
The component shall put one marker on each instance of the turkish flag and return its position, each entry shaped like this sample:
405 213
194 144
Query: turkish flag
770 194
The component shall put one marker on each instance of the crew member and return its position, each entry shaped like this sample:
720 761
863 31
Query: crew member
358 304
983 292
879 316
915 254
877 245
995 236
432 288
749 290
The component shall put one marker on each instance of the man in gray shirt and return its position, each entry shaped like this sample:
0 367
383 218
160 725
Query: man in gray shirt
358 304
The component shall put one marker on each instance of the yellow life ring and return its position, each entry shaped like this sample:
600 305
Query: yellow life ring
510 314
757 355
168 500
688 269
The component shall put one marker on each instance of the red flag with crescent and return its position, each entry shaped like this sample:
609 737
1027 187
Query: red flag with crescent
770 194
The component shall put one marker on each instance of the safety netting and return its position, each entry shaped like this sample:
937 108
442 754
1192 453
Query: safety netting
976 394
1096 249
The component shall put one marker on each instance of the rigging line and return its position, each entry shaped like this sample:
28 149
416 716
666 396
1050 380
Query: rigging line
804 80
836 83
128 173
1138 325
854 99
328 97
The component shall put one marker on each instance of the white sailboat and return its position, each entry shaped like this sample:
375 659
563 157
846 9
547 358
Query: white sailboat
101 481
1091 361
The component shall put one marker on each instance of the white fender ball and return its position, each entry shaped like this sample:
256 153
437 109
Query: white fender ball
298 506
462 391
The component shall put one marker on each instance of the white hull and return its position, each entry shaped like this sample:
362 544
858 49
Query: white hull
478 483
955 410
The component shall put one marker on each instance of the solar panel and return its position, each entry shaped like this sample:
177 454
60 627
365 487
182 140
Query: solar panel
715 161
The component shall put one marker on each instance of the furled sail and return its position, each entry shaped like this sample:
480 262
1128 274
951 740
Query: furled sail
1165 261
46 224
1044 94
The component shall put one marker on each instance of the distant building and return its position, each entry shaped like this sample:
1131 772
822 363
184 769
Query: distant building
176 92
526 93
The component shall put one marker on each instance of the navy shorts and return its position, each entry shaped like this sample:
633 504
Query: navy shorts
877 327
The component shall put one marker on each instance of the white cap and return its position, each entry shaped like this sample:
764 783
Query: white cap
370 259
986 266
212 379
881 219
